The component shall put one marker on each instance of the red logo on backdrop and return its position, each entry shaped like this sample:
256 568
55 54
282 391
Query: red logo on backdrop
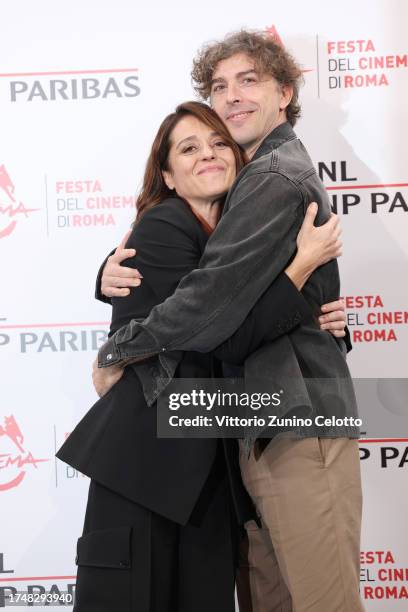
273 33
15 461
9 207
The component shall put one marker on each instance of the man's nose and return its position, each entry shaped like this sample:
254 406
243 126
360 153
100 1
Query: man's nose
233 93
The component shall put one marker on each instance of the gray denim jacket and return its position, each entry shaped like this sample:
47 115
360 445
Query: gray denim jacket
253 242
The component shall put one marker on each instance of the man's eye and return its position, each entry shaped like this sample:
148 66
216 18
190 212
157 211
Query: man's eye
218 88
248 80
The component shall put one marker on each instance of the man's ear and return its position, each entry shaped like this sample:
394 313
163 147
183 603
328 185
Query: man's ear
286 96
168 179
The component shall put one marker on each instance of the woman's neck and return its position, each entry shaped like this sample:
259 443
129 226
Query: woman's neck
210 211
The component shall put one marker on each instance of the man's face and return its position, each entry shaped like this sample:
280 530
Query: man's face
250 104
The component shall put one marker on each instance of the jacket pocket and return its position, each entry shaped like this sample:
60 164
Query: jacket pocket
105 548
104 578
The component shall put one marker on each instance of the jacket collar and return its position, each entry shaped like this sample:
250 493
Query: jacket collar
276 138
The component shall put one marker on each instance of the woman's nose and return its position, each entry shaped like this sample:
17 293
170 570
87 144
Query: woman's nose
207 152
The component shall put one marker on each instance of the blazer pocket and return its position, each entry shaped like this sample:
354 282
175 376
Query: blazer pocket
105 548
103 584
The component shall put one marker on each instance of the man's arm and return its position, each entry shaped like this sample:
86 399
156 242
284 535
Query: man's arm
281 306
251 245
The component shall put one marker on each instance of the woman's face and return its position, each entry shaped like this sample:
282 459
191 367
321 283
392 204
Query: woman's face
201 164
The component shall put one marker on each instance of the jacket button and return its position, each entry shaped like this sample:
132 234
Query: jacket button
109 357
124 563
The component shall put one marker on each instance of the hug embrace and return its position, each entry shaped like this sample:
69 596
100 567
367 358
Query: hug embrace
230 270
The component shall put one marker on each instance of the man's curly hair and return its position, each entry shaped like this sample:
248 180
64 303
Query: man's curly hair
270 58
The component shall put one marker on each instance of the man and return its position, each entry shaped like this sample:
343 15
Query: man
306 487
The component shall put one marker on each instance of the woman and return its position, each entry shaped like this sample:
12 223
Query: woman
161 525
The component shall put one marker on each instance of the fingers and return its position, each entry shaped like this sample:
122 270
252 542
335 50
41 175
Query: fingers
120 254
120 281
332 227
337 249
333 325
311 213
104 379
111 292
334 220
335 315
117 280
334 247
118 287
114 270
338 333
337 305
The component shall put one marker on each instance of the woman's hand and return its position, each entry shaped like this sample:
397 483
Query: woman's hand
315 246
104 378
318 245
334 318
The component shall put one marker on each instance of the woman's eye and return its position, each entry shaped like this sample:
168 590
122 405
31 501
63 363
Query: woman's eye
220 144
189 149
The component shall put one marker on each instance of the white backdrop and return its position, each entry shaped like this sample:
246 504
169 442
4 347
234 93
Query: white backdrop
83 88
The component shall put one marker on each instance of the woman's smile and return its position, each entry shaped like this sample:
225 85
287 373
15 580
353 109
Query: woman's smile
212 168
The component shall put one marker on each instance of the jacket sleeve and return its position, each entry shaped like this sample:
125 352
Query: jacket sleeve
251 245
98 293
166 250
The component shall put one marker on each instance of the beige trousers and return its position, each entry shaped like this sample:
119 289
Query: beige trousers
305 558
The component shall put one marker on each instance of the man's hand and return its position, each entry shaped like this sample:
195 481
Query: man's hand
104 378
334 318
117 279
